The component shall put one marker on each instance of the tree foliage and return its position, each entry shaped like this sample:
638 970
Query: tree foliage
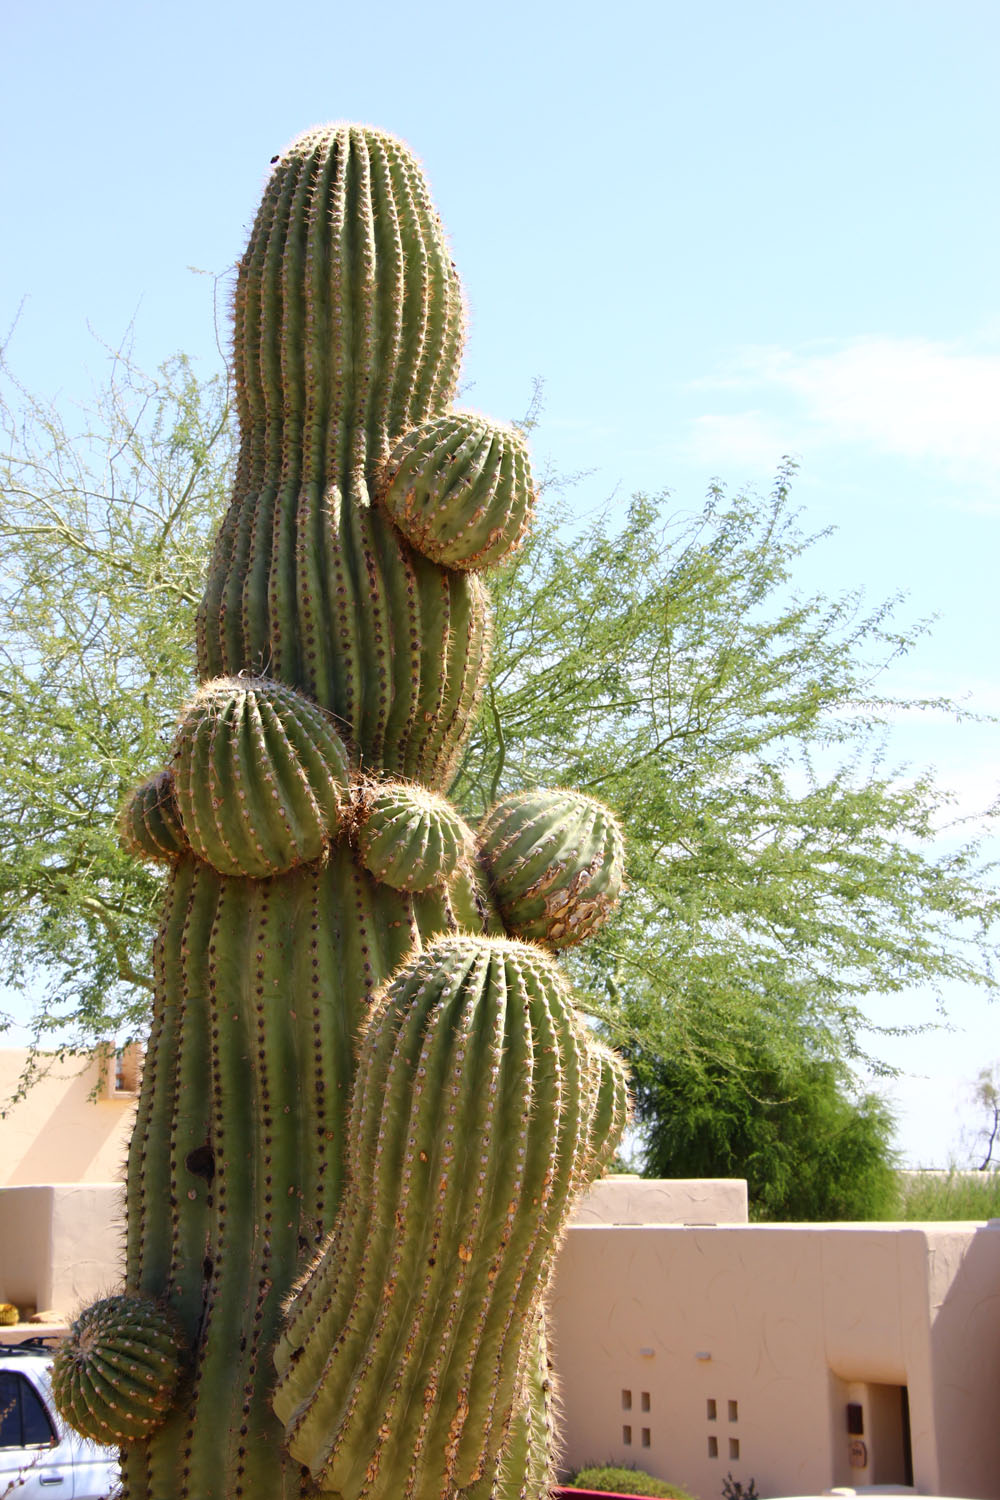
783 874
105 515
670 667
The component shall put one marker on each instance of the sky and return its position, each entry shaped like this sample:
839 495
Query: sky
717 233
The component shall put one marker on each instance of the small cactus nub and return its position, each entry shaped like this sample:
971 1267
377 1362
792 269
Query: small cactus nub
150 825
411 838
555 861
460 489
260 776
115 1375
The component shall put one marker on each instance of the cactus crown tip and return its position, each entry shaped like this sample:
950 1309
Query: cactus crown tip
494 946
306 140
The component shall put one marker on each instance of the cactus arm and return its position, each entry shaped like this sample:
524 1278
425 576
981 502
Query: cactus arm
459 488
464 1137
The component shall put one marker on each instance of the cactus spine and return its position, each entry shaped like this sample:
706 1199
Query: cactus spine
320 886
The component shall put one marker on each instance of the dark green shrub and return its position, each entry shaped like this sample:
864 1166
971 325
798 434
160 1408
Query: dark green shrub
770 1111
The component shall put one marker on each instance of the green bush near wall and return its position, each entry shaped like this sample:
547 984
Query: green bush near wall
626 1481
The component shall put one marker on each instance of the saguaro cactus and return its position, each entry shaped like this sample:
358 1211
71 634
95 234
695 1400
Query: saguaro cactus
367 1104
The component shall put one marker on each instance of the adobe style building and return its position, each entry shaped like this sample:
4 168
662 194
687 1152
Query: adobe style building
804 1356
686 1341
62 1159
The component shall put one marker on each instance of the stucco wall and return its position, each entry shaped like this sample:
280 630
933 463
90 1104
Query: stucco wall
60 1132
964 1299
61 1245
779 1327
623 1199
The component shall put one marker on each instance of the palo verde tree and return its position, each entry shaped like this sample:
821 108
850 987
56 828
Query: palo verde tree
783 874
105 518
670 664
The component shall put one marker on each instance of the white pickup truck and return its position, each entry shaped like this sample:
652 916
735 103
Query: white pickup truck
40 1457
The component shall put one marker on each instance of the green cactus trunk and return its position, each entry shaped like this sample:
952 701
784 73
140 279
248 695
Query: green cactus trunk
348 334
342 647
236 1164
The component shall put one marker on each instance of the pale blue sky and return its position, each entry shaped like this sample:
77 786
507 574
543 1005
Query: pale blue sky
719 233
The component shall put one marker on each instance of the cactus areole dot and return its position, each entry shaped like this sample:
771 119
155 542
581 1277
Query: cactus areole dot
337 1256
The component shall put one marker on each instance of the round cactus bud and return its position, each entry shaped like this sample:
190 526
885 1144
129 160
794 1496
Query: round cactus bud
115 1377
260 776
409 837
556 863
9 1315
459 488
150 823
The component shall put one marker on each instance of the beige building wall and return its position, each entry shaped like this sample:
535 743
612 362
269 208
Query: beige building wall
62 1156
60 1247
625 1199
695 1352
74 1123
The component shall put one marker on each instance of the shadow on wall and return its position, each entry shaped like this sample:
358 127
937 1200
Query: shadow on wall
965 1340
